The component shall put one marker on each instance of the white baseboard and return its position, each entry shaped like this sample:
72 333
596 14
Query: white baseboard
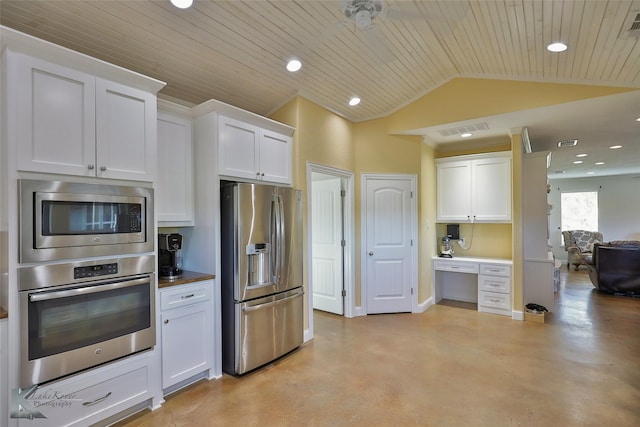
517 315
422 307
359 311
308 336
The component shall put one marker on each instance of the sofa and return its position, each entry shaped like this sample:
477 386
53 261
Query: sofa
615 267
579 245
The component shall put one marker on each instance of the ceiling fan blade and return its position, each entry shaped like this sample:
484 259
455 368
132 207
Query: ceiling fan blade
378 44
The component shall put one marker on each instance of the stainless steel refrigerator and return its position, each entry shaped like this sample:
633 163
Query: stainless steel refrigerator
261 277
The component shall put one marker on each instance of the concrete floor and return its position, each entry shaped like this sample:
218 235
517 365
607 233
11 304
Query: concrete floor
449 366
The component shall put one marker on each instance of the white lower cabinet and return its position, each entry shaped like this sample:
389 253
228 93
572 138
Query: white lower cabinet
457 278
187 334
95 397
494 289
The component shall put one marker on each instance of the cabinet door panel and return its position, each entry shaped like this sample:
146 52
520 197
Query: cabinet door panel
275 157
184 349
174 183
54 116
454 191
238 149
126 132
492 189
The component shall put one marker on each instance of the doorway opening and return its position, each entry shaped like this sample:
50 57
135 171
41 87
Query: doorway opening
331 241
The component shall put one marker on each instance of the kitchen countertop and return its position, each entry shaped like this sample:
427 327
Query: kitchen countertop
187 277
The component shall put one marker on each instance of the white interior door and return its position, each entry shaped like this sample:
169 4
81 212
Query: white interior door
389 228
327 236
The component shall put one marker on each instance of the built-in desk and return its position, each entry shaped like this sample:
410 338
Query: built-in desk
483 281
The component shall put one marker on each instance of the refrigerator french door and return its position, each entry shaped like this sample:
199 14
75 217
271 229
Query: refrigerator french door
261 254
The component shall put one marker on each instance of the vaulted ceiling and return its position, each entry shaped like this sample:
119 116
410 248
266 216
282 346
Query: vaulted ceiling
236 51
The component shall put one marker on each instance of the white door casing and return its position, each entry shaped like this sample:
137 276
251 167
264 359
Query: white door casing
327 244
389 264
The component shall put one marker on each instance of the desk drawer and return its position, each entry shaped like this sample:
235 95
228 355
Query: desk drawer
456 266
494 284
495 270
494 300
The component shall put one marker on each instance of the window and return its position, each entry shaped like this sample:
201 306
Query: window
579 211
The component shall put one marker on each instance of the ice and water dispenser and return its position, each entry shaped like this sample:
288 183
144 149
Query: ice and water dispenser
259 264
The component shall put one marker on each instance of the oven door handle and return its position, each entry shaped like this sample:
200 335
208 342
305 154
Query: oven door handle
44 296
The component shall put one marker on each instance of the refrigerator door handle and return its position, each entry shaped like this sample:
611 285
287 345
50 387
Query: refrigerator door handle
275 242
271 303
282 239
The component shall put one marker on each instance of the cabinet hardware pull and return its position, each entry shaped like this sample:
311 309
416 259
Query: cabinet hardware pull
90 167
98 400
166 321
495 300
370 253
188 296
103 168
495 284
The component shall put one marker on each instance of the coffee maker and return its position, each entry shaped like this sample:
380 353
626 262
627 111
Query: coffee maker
170 256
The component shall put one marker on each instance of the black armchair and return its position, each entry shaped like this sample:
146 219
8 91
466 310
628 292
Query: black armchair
615 267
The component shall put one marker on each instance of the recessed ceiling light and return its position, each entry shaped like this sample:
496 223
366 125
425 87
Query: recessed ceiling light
615 147
182 4
354 101
557 47
294 65
590 173
466 135
638 119
581 155
577 162
599 163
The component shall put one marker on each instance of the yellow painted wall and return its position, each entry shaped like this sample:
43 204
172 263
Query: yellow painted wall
466 99
371 147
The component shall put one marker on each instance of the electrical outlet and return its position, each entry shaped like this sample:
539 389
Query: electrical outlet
461 241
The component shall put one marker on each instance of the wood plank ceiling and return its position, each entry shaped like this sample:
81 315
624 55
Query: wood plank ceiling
235 51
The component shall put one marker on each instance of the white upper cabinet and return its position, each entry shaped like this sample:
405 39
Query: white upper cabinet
474 188
251 152
66 121
174 181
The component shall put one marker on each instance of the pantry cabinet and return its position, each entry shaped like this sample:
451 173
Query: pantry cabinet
187 333
250 152
66 121
174 182
474 188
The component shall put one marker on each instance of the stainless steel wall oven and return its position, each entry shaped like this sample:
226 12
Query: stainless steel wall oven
77 315
66 220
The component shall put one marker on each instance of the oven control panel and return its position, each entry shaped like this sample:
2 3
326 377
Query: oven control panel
95 270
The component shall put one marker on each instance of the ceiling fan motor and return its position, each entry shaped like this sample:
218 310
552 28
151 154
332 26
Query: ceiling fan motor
362 12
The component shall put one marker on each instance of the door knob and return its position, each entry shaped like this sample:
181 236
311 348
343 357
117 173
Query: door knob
370 253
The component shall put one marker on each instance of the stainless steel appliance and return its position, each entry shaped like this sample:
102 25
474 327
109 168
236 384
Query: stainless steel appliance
66 220
446 251
77 315
170 256
261 274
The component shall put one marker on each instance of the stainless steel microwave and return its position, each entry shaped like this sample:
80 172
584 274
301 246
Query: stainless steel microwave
67 220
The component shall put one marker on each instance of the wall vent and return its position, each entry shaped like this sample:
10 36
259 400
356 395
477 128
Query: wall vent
631 27
568 143
463 129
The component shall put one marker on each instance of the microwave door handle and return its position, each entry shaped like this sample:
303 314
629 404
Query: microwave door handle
44 296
